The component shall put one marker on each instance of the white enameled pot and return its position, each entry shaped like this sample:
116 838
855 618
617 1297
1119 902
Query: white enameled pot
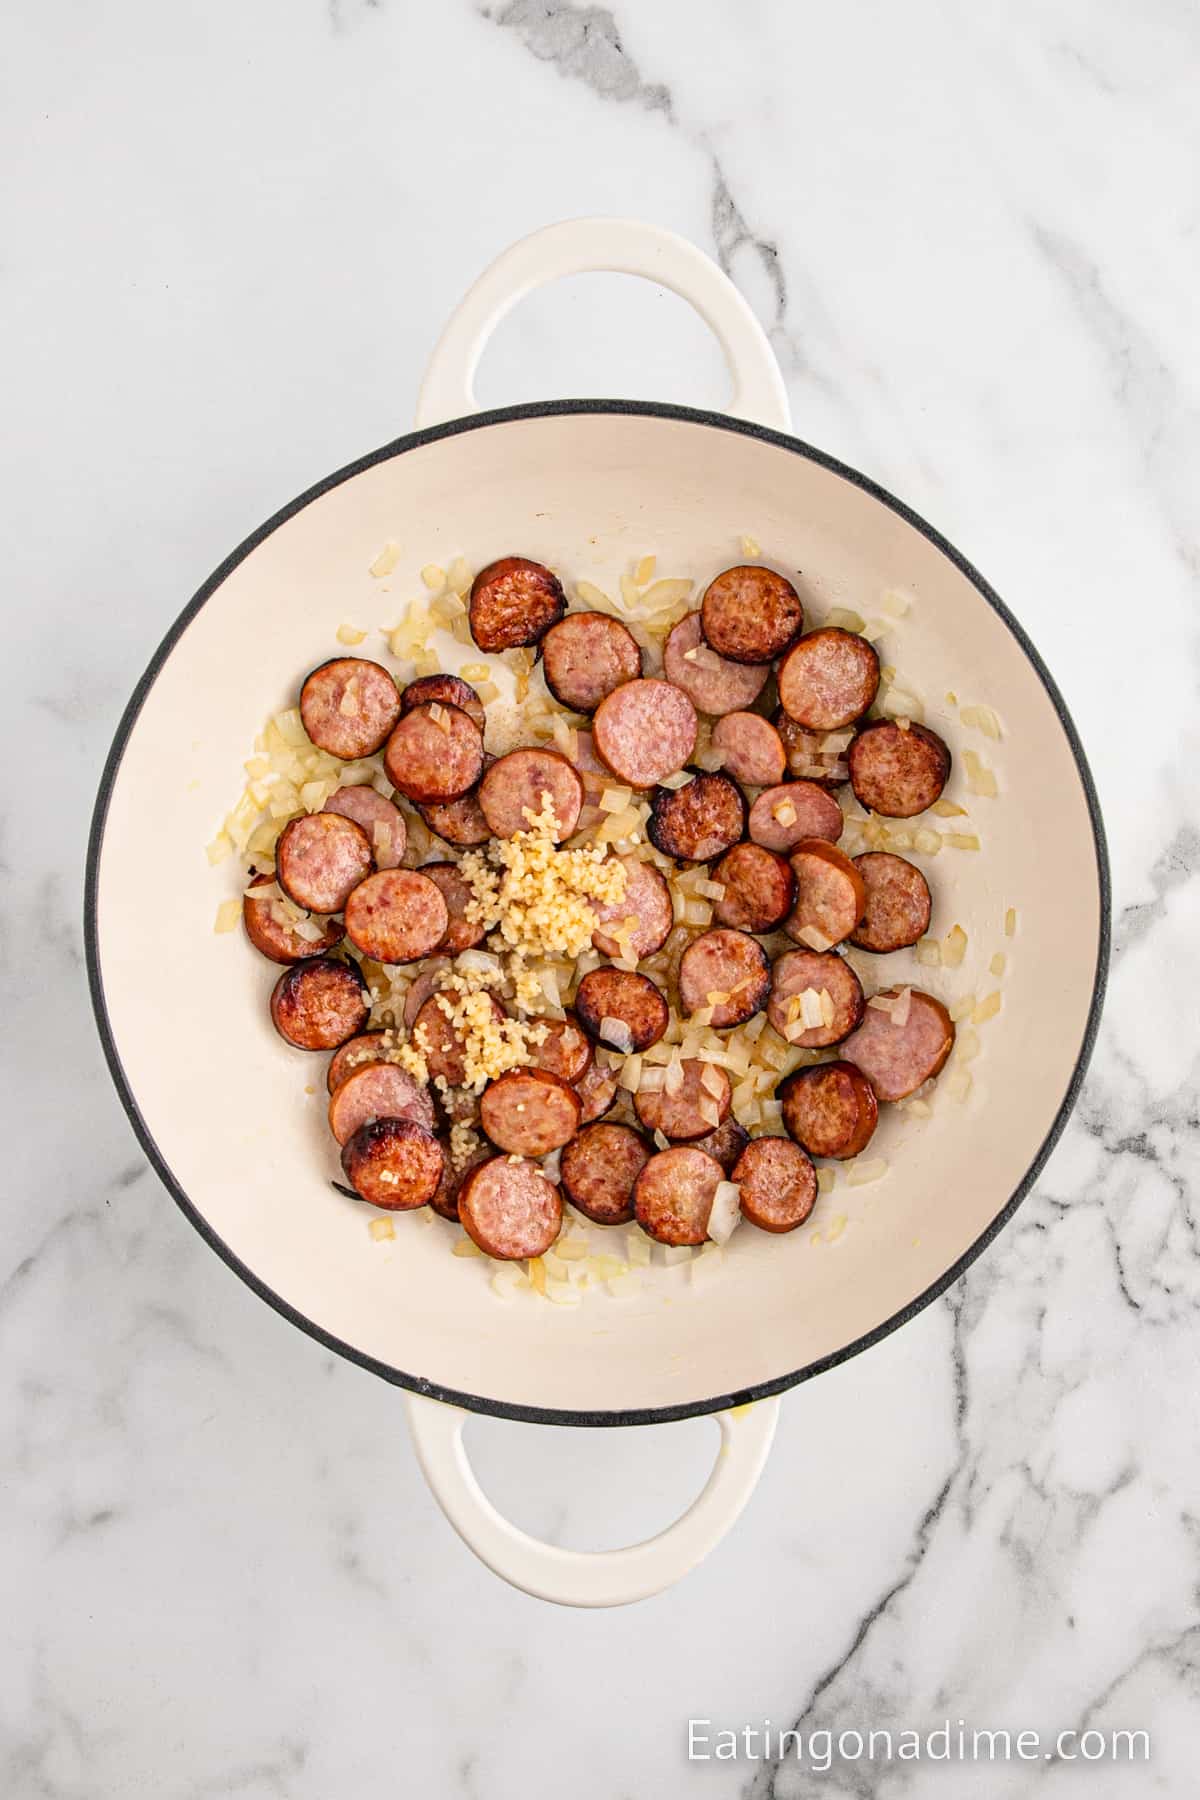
585 486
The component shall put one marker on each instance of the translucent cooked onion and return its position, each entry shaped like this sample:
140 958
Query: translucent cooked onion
726 1214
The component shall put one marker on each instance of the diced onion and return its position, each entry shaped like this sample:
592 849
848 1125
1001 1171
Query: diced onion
862 1172
954 947
726 1214
593 596
381 1229
901 1007
1010 922
228 914
987 1009
960 1008
816 940
616 1032
385 562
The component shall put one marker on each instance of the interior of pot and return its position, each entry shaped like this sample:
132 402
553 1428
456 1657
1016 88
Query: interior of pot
237 1117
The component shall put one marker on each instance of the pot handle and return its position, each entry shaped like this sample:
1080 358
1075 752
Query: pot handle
591 1577
620 246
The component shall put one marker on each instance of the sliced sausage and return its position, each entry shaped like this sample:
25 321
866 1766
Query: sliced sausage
513 602
460 822
777 1185
320 859
645 912
509 1208
317 1005
782 816
394 1163
752 747
726 1143
831 895
750 614
759 888
828 679
529 1112
445 1201
380 818
564 1051
442 1043
585 656
712 683
798 972
461 933
727 971
597 1089
699 1104
367 1047
419 989
896 1058
396 916
697 822
899 904
622 1009
814 755
435 754
674 1193
645 731
378 1091
829 1109
598 1169
898 770
517 787
348 706
271 931
450 690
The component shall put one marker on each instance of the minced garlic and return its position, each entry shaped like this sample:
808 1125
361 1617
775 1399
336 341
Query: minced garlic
535 894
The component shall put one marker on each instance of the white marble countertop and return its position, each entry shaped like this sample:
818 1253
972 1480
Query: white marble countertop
233 232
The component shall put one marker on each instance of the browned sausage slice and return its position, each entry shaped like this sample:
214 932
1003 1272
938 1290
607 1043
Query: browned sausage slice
828 679
513 602
726 1143
348 706
320 859
421 986
727 971
564 1051
712 684
367 1047
645 914
814 755
673 1195
782 816
461 933
597 1089
829 1109
805 984
394 1163
529 1112
831 895
752 748
759 889
396 916
622 1009
898 1051
691 1107
899 904
585 656
445 1201
460 822
898 770
435 754
378 1091
645 731
271 931
451 690
697 822
598 1169
317 1005
380 818
777 1184
442 1043
751 614
517 788
510 1209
